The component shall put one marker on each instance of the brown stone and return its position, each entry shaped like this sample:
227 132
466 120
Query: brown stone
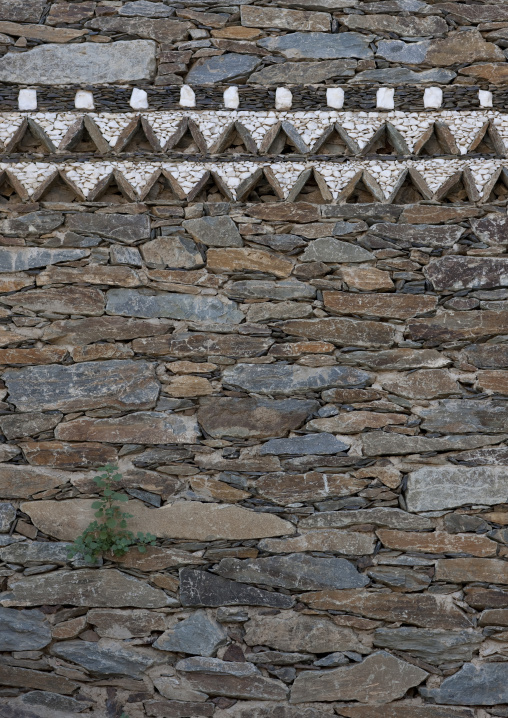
159 29
178 709
487 356
398 306
64 12
202 344
495 381
388 475
437 542
285 488
456 326
87 331
475 13
466 570
248 686
254 260
425 610
209 488
124 624
165 581
405 710
22 10
69 629
285 212
182 520
152 481
64 300
41 32
421 384
452 273
35 680
95 352
254 16
435 214
343 332
367 279
14 281
406 26
237 33
355 421
294 349
481 598
494 617
348 543
452 49
188 385
92 274
156 558
63 455
17 481
145 427
44 355
494 73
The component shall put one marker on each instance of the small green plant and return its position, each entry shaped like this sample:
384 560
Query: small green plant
109 534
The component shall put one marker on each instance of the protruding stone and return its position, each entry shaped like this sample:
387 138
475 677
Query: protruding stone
197 635
149 427
23 630
291 379
434 488
218 231
478 685
106 658
434 646
201 588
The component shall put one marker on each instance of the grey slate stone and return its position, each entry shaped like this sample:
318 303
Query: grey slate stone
389 517
164 30
201 588
31 224
215 665
17 259
266 289
303 73
218 231
132 303
23 630
106 658
81 63
296 571
7 516
122 383
144 8
198 635
483 685
16 426
396 75
435 646
378 443
319 45
418 235
410 53
328 249
434 488
279 242
54 701
309 444
291 379
231 66
462 416
123 227
29 553
125 255
22 10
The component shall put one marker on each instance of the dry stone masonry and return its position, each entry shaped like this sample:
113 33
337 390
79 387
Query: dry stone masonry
256 255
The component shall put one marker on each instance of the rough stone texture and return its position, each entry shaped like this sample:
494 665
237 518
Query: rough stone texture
23 630
106 658
197 635
483 685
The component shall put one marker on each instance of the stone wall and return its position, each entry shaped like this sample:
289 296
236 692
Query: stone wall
256 256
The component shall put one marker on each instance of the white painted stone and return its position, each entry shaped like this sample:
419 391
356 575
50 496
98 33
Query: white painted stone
139 99
84 100
27 100
385 98
485 97
433 97
187 96
283 99
231 98
335 97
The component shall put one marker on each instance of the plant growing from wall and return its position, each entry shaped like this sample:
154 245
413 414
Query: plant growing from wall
109 533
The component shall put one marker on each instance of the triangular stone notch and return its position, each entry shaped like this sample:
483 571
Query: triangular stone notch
283 139
261 186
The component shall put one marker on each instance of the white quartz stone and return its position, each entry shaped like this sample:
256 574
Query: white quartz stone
139 99
283 98
27 100
385 98
335 97
187 96
84 100
433 97
231 98
485 97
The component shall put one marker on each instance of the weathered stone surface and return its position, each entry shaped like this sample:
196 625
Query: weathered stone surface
198 635
400 359
291 379
222 68
22 10
121 624
255 260
122 227
456 273
405 710
389 517
356 421
465 570
487 356
143 8
86 587
37 552
31 224
404 236
295 571
398 306
328 249
351 543
308 444
285 488
425 610
18 481
200 588
7 516
343 332
121 384
303 73
259 289
454 416
63 455
38 680
202 344
437 542
406 26
455 486
218 231
494 617
291 631
160 29
87 331
106 658
81 63
174 252
18 259
23 630
379 679
318 45
68 300
453 326
453 50
253 16
489 13
157 558
256 709
421 384
16 426
482 685
491 229
253 417
134 303
395 75
149 427
177 709
433 646
380 443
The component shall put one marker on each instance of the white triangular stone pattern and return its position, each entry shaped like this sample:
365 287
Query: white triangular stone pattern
32 174
9 124
112 124
55 125
86 175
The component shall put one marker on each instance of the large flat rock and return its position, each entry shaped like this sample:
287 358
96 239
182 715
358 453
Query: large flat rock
433 488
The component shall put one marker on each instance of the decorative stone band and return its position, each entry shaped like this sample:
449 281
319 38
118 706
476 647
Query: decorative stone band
433 178
329 132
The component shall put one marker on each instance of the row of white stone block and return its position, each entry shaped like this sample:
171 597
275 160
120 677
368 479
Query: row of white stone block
385 98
